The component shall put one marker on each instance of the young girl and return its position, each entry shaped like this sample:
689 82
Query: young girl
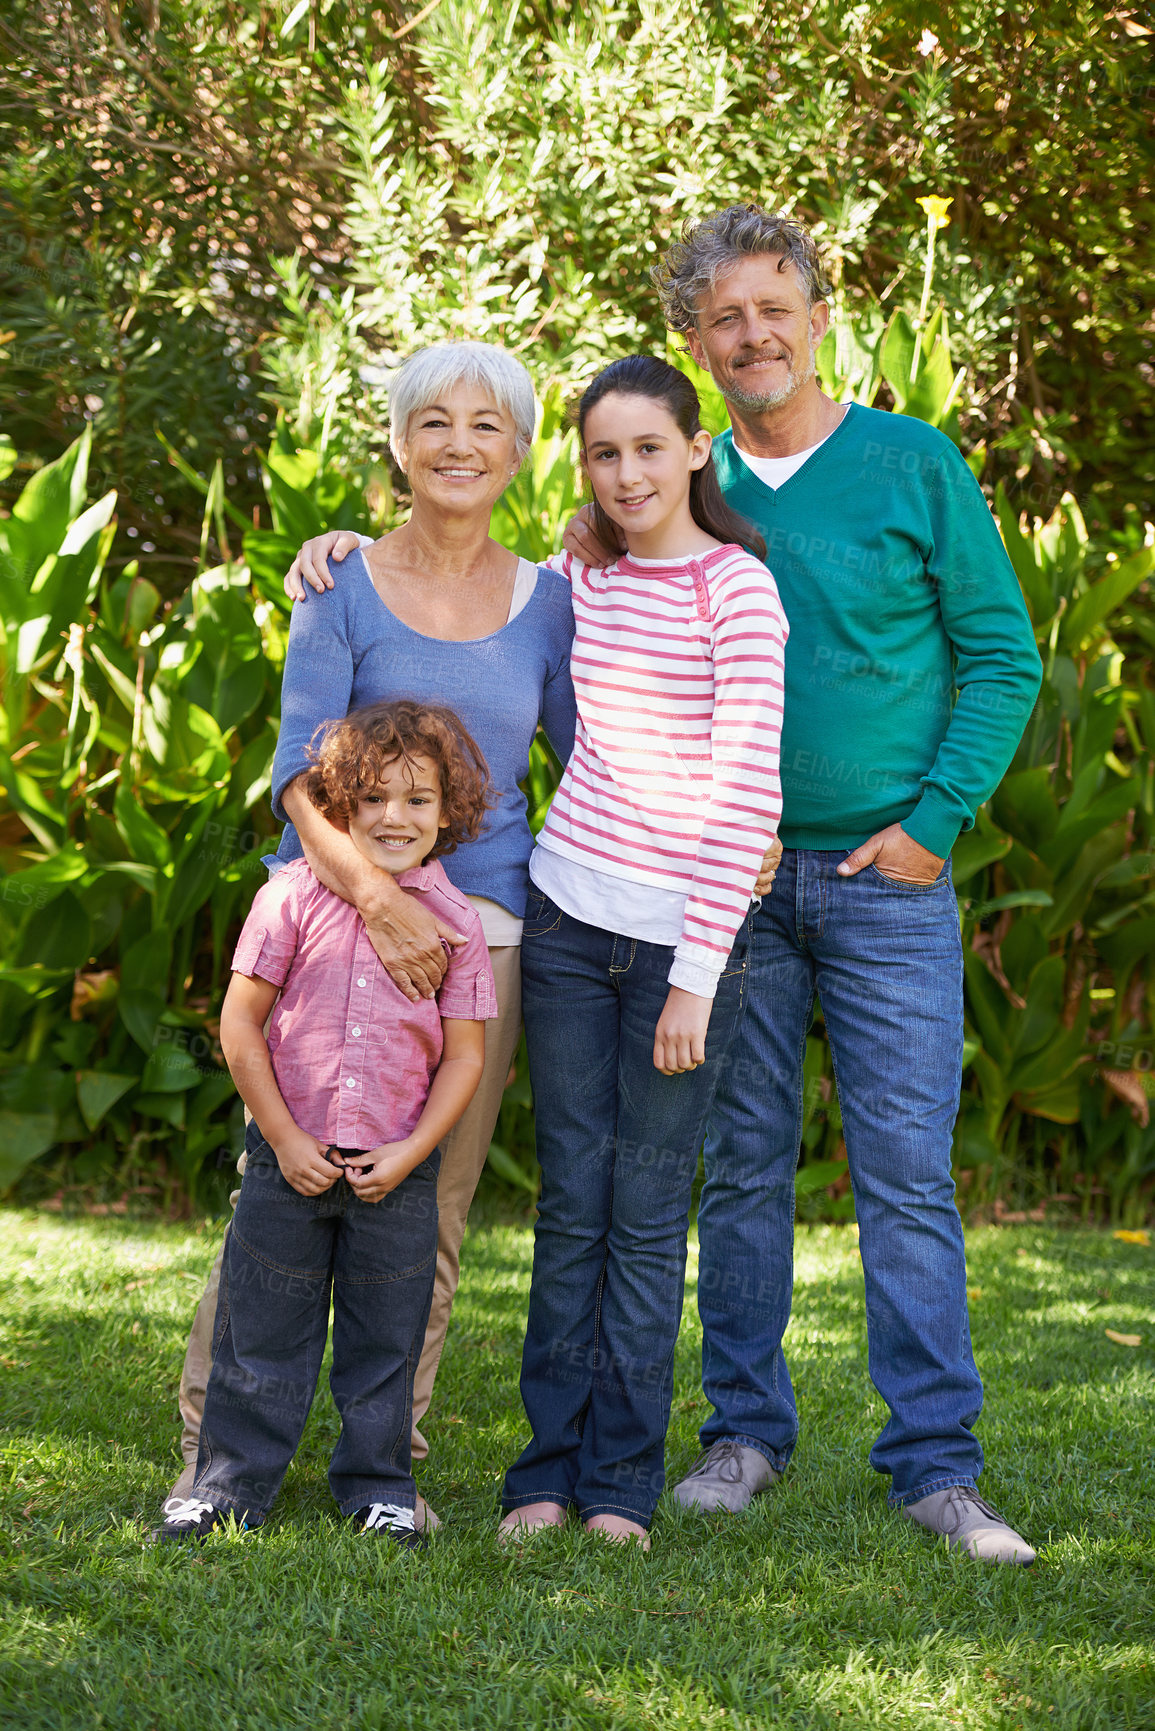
634 947
351 1094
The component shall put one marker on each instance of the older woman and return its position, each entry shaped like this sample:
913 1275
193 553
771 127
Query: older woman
440 612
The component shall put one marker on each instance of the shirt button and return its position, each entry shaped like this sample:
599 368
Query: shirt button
361 981
356 1033
350 1081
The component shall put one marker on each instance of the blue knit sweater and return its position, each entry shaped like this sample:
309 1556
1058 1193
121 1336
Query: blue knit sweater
347 649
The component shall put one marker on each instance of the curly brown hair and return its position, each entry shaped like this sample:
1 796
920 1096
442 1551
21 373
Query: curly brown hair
351 756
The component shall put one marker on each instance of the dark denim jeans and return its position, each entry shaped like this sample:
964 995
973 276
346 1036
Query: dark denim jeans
284 1255
618 1144
886 962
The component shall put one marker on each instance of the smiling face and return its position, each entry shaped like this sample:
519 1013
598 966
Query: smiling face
460 453
396 823
639 463
756 334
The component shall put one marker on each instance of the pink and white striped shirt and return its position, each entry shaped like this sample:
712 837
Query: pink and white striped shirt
673 782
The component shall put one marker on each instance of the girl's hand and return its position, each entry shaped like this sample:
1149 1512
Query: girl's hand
769 866
391 1165
311 564
680 1041
304 1165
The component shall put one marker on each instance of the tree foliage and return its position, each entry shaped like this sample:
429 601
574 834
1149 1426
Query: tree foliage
207 203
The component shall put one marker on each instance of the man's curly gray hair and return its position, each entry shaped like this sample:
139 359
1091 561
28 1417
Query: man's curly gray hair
711 245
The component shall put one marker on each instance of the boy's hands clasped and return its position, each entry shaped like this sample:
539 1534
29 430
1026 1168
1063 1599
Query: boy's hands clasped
391 1165
305 1163
312 1166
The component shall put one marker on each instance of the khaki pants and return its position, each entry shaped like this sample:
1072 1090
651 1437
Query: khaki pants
462 1158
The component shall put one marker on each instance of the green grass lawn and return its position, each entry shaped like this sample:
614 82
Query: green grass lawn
819 1608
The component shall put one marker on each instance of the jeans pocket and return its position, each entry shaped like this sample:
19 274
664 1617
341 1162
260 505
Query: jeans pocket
912 889
541 915
740 952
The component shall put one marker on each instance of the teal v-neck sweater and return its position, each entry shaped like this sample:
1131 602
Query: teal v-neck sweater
911 667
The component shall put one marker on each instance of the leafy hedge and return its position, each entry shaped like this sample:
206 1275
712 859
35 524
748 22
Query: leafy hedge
205 204
135 764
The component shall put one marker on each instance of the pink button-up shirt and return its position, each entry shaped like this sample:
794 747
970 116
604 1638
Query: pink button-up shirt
353 1058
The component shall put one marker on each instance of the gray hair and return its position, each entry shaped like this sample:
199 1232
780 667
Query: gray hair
431 374
707 248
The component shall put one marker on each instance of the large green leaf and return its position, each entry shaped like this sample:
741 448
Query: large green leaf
98 1090
171 1068
1059 1058
1082 621
193 884
1037 589
1123 949
1061 849
1059 1102
41 516
34 1101
1025 806
57 936
144 965
24 1137
975 850
973 1145
1021 951
64 584
1044 1008
992 1013
140 1010
816 1175
145 840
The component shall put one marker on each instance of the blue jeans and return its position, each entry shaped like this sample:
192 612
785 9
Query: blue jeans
886 963
618 1144
284 1255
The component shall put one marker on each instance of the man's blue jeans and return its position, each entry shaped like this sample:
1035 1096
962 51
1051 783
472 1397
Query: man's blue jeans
618 1144
285 1254
885 960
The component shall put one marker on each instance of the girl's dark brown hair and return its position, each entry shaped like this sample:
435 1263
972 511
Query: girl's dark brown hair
646 376
350 757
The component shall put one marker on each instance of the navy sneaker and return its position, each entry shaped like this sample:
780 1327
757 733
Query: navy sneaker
193 1519
392 1521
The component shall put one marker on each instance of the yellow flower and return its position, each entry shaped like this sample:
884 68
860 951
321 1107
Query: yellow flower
936 209
1139 1237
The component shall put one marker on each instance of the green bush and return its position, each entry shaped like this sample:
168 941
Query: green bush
135 766
202 204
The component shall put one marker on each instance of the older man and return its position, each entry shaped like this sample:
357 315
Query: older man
911 671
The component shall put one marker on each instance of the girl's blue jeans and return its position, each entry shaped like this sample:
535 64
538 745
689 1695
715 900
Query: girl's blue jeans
285 1256
618 1144
885 960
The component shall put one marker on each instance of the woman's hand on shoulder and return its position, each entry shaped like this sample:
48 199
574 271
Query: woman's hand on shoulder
680 1039
311 565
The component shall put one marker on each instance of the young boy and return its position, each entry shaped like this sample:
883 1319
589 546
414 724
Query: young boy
350 1096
